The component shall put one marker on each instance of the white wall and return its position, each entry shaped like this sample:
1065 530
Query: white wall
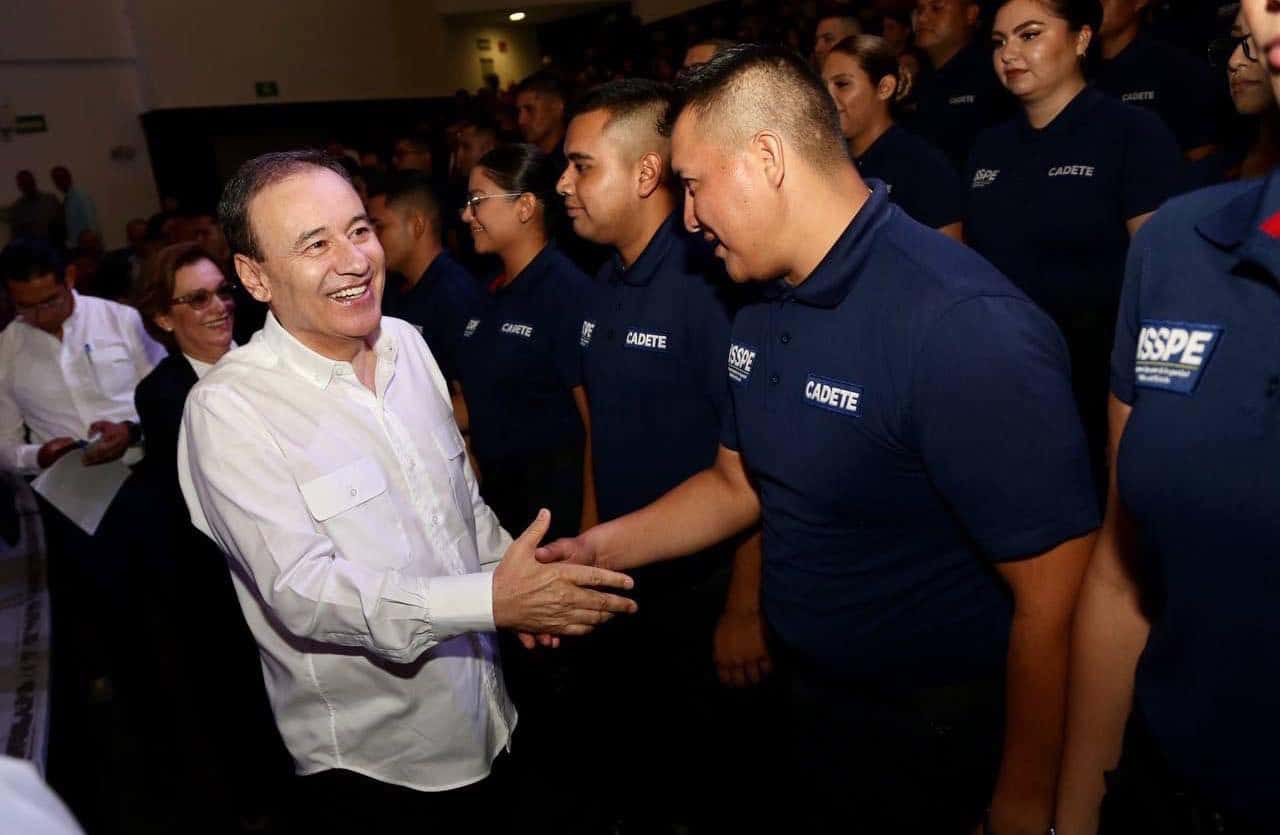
521 59
73 62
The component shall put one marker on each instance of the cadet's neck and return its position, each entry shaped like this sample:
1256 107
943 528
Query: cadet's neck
650 215
817 221
419 260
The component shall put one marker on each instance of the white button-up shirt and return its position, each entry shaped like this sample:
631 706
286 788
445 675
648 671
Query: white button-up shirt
56 388
358 542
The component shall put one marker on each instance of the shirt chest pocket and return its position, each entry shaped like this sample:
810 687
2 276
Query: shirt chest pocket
353 507
112 368
448 440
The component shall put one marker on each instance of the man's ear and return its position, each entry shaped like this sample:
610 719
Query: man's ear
417 224
767 149
651 174
253 278
971 13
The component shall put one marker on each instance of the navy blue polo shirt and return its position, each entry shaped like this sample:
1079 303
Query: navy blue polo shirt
1048 206
906 415
653 348
919 177
1197 356
439 305
957 101
518 360
1183 91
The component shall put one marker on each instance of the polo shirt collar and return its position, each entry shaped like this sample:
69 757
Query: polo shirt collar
1249 225
1076 111
528 277
833 278
644 269
309 365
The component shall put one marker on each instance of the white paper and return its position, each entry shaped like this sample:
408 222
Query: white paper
82 493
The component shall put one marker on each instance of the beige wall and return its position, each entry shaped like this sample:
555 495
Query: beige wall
521 59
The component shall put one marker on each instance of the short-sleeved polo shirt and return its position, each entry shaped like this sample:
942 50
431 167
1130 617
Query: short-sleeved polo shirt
1048 206
958 101
1183 91
906 415
1197 356
918 176
653 346
439 306
519 361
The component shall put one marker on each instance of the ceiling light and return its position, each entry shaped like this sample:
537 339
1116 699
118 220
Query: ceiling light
516 17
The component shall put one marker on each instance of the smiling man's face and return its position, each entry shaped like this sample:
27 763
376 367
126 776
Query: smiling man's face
323 269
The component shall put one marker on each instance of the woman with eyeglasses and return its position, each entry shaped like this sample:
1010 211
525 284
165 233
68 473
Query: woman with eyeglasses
1256 149
1056 192
519 357
193 695
865 81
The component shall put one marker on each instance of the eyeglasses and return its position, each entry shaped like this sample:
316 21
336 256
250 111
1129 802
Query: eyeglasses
1221 49
471 201
200 299
28 311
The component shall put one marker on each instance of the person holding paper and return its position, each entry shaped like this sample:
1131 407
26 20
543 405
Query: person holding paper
324 460
69 365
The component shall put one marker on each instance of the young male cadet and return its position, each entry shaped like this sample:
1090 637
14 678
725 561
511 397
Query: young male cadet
432 291
902 423
323 458
962 96
653 348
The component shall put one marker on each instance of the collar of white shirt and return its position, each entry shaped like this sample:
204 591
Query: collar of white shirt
311 365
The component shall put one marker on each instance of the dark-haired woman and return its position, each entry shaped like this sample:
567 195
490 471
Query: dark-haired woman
191 681
865 80
1057 191
519 360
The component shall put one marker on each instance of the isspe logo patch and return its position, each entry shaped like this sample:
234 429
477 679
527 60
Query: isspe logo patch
588 330
470 329
741 358
1172 356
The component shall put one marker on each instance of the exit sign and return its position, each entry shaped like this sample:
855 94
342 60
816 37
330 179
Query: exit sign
266 89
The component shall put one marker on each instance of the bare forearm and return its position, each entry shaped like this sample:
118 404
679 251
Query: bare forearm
744 581
707 508
1109 634
1035 701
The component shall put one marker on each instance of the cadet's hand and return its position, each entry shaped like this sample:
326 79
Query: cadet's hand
577 550
740 651
115 440
531 597
53 450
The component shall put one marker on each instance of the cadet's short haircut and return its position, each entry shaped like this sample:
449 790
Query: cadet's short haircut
635 104
753 87
409 189
544 83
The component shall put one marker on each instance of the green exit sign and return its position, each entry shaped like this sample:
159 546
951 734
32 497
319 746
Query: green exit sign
266 89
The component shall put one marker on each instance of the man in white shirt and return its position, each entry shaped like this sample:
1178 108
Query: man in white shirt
68 368
323 458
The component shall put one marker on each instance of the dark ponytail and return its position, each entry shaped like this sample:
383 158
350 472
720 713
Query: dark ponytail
522 169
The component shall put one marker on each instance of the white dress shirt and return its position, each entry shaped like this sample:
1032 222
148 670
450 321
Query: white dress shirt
200 366
358 542
56 388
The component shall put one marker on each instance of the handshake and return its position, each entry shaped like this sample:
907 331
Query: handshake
553 591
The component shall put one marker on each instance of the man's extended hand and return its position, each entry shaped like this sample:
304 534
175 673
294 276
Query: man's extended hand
52 450
533 597
577 550
114 441
740 650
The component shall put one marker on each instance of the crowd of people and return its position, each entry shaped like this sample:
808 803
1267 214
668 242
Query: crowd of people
866 430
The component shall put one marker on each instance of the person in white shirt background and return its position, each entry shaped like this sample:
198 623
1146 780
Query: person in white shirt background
324 460
68 368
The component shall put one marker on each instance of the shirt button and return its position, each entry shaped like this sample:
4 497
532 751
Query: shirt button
774 379
353 491
435 519
618 306
786 338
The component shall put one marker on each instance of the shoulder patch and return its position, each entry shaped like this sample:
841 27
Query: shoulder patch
1172 356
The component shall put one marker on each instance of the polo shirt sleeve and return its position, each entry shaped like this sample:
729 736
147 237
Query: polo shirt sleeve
1153 167
729 425
1125 349
997 427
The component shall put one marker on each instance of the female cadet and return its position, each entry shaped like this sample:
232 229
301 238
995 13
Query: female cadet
1177 630
519 360
863 76
1056 191
1258 150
